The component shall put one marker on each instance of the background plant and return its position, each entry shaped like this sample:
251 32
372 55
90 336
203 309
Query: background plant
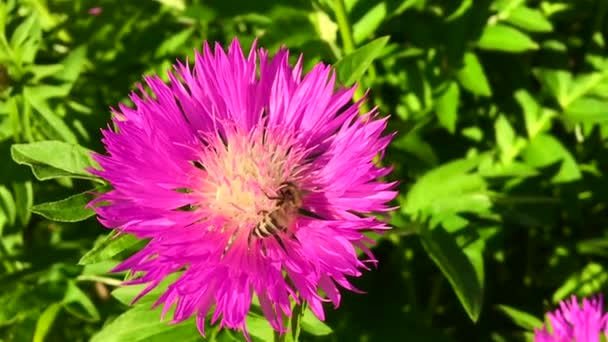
501 114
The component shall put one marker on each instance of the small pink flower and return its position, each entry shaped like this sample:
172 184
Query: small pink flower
252 179
95 11
575 323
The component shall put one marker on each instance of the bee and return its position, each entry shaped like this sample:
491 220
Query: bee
279 218
287 204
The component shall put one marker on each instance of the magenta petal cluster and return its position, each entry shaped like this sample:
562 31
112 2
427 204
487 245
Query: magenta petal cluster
201 166
573 322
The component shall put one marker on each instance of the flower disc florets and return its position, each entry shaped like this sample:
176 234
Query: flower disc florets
248 178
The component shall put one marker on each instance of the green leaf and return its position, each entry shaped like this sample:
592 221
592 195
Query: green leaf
24 197
508 143
556 82
537 119
175 41
446 106
51 159
259 328
520 318
529 19
73 64
545 150
464 6
368 24
586 282
27 28
505 135
46 321
126 294
71 209
505 38
76 302
596 246
456 267
109 247
312 325
42 71
142 324
448 189
36 96
472 77
7 205
587 110
582 85
351 68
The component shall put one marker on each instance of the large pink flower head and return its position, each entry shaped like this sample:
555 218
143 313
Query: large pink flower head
572 322
250 178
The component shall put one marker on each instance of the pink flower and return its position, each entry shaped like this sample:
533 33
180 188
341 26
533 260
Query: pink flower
95 11
250 178
575 323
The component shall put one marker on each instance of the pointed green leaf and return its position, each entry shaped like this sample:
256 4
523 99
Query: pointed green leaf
521 318
76 302
36 97
24 196
71 209
456 267
472 77
51 159
140 324
351 68
545 150
447 106
368 24
109 247
44 323
505 38
312 325
259 328
529 19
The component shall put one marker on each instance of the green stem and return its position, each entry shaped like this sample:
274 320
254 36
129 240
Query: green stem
104 280
348 44
434 297
344 26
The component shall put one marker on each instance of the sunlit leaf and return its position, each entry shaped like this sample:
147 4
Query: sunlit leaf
71 209
505 38
142 324
51 159
447 106
312 325
545 150
529 19
472 76
351 68
520 318
45 321
109 247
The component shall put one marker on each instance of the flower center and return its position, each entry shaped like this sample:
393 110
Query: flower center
246 175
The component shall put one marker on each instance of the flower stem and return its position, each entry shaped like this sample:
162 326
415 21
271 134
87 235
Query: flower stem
344 26
348 43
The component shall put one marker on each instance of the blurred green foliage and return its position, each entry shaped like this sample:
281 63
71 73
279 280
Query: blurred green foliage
501 114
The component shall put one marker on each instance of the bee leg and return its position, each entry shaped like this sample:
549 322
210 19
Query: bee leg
276 237
249 238
264 251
